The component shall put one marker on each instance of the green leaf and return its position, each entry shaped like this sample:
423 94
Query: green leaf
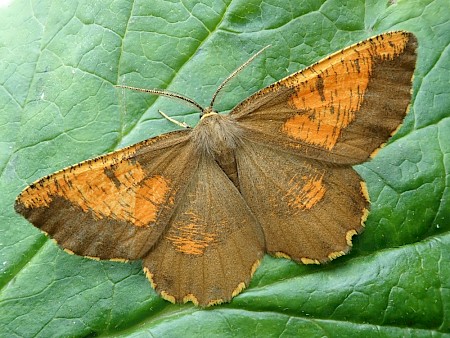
59 62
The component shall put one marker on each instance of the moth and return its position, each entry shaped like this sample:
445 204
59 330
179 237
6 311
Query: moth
201 206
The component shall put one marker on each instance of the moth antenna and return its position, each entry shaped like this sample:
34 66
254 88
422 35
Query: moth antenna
166 93
178 123
232 75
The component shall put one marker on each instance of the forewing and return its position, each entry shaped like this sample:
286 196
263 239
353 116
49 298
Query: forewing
309 210
116 205
212 244
342 108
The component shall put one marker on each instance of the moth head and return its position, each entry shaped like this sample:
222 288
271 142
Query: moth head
216 134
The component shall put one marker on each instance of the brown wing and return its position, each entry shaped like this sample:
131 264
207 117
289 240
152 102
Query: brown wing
212 244
342 108
116 205
309 210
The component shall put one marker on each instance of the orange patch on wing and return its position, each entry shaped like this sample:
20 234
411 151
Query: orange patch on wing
95 188
330 98
309 261
168 297
190 237
241 286
305 193
190 298
149 196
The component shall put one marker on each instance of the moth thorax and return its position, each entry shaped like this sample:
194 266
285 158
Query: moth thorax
217 134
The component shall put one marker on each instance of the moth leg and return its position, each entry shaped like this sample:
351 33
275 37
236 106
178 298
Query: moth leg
178 123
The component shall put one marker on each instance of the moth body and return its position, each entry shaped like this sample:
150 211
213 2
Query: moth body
218 136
